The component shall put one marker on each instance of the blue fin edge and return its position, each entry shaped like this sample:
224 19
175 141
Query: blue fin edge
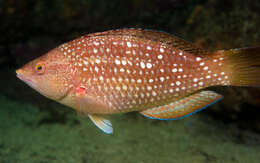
170 119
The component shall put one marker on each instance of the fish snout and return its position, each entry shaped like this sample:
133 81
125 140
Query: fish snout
19 71
21 75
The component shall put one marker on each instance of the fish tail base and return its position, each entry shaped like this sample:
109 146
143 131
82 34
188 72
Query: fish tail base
242 66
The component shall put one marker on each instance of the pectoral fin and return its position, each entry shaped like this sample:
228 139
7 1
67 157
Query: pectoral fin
102 123
183 107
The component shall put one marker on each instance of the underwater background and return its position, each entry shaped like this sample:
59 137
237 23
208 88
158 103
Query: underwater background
34 129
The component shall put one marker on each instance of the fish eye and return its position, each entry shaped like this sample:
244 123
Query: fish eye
40 68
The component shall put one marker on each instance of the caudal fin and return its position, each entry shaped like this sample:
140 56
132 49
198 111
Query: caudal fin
243 66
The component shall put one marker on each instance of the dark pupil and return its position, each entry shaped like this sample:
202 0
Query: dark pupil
39 68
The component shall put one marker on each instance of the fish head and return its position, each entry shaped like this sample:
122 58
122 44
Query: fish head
47 74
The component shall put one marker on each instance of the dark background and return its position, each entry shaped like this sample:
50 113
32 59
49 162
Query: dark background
33 27
36 129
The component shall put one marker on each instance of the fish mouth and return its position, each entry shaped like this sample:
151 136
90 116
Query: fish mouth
25 79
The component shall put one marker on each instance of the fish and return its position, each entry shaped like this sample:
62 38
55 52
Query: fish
154 73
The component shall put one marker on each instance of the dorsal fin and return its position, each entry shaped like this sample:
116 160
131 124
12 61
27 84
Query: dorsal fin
156 36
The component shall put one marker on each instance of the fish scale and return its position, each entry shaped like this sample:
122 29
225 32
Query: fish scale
156 73
159 75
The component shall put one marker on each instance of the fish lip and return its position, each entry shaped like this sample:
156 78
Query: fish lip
25 79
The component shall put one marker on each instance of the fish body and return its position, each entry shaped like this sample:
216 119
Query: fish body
128 70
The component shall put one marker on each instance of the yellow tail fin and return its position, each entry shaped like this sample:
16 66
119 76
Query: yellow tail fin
243 66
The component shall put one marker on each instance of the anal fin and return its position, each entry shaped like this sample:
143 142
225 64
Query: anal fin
184 107
102 123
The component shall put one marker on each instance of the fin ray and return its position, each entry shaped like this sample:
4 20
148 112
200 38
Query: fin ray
157 36
102 123
243 65
184 107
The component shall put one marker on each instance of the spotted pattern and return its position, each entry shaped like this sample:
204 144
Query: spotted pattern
128 73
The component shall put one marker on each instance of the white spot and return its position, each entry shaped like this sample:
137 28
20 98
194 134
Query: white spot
162 50
128 52
149 48
149 65
149 88
96 69
180 53
201 83
160 56
84 69
219 79
206 68
215 60
202 64
154 93
96 43
222 73
115 69
124 87
150 80
174 70
178 83
117 62
98 61
142 65
134 52
177 89
123 62
208 77
139 81
108 50
180 70
183 88
95 50
162 70
130 63
129 44
101 78
171 90
195 79
118 88
198 59
162 79
122 70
